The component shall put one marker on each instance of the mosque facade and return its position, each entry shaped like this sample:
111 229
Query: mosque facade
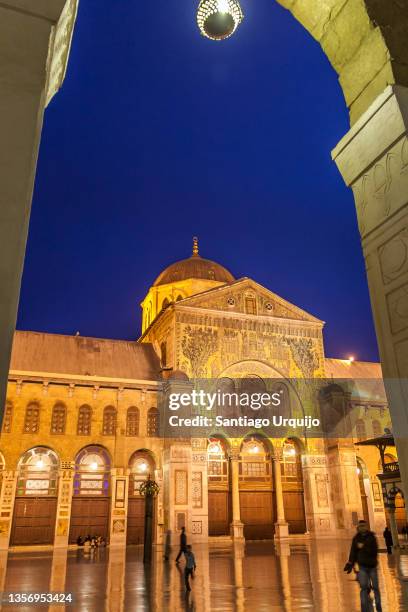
82 427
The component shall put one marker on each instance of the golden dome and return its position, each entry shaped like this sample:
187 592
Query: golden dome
194 267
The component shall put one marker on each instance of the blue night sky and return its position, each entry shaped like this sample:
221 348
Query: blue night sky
159 134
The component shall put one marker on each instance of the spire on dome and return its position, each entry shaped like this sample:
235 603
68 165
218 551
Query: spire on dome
195 247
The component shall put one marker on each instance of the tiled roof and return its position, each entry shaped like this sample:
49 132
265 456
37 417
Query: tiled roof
83 356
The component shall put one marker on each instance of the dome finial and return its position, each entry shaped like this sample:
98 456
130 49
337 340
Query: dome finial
195 246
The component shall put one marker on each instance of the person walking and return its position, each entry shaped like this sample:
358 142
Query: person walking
388 540
190 567
364 552
183 543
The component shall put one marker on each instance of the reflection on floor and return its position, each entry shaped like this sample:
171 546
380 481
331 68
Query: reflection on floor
255 577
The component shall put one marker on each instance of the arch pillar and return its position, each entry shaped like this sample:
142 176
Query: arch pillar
119 506
64 505
237 527
373 160
281 526
7 497
35 44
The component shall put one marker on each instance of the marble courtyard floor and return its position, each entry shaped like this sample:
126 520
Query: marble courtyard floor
255 577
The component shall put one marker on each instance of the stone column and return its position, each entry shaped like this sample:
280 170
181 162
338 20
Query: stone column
64 505
318 508
373 160
281 526
237 527
119 505
199 490
393 527
7 497
35 39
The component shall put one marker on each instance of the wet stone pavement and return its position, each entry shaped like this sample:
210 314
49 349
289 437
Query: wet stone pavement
255 577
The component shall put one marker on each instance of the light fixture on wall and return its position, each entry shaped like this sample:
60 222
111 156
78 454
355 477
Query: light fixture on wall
218 19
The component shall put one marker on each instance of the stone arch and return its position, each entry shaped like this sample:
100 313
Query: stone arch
364 42
35 504
142 465
91 493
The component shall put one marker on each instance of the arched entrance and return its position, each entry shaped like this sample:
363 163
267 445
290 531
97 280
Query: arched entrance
91 499
141 465
255 490
362 473
35 505
219 511
292 486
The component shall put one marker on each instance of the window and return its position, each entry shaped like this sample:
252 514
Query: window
92 472
109 421
32 418
141 468
361 433
153 423
132 421
377 429
250 305
84 421
254 461
8 414
217 465
38 473
165 303
58 419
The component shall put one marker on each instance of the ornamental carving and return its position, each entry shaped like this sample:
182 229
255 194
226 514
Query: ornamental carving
198 345
304 355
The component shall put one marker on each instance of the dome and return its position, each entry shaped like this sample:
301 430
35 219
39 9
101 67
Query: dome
194 267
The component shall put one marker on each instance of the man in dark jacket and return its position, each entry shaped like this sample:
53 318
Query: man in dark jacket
183 543
388 540
364 551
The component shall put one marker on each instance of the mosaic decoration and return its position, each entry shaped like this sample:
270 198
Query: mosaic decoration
181 497
197 489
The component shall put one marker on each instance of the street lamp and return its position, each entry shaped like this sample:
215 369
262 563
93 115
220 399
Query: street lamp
218 19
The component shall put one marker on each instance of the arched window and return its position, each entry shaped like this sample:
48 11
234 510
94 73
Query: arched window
361 433
58 418
254 461
132 421
84 421
165 303
32 418
92 472
109 421
141 467
163 350
217 464
377 429
179 297
38 473
7 418
291 467
252 384
153 423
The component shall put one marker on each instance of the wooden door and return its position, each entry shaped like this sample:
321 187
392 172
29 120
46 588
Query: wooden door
257 514
89 516
34 520
218 513
136 520
294 511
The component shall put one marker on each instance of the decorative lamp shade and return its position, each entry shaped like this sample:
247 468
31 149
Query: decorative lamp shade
218 19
